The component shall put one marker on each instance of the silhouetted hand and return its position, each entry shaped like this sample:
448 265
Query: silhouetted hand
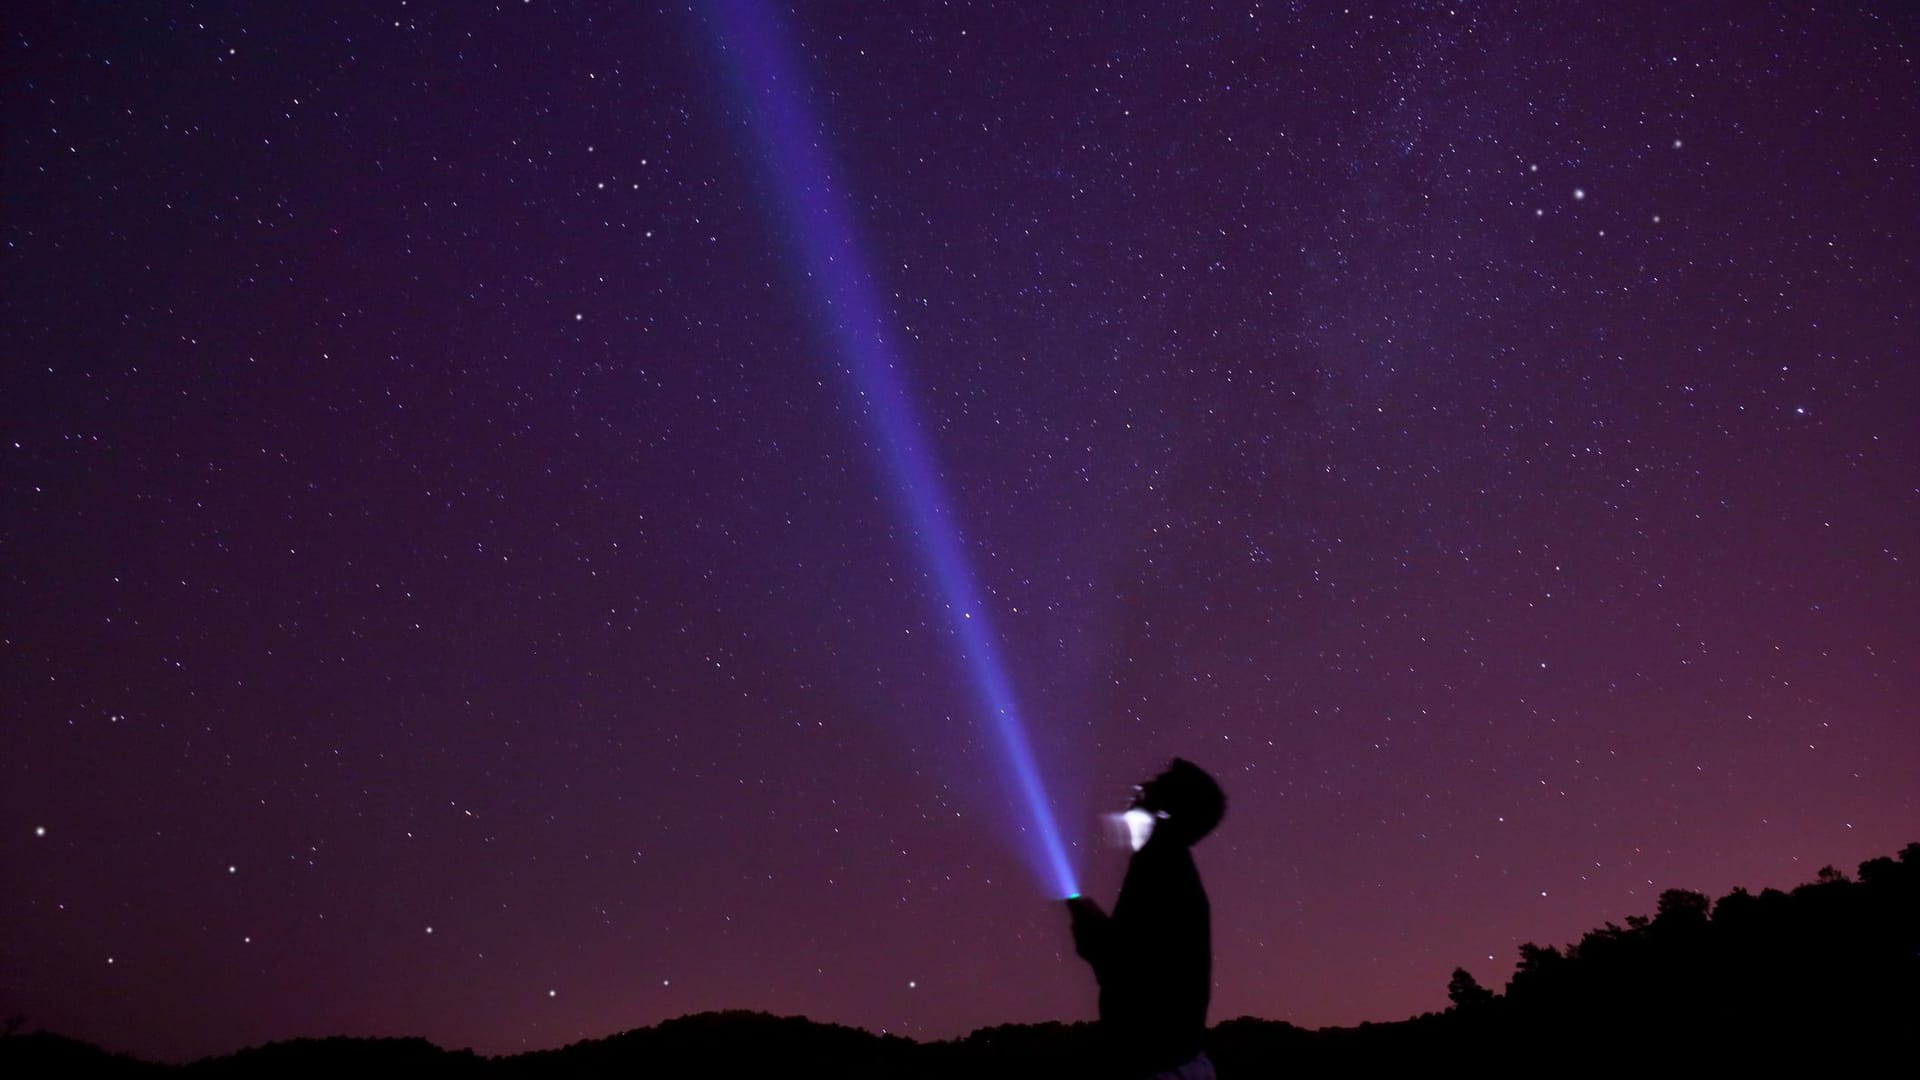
1089 927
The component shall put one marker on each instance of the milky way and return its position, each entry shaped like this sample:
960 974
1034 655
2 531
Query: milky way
452 586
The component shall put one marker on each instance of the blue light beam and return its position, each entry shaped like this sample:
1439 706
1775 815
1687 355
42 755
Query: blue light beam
789 135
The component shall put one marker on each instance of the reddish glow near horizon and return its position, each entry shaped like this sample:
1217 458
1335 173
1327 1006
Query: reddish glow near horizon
432 500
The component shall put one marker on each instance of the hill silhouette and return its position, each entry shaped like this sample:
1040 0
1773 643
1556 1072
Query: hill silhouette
1829 970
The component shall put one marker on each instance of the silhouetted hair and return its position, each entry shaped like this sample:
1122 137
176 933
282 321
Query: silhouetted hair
1193 800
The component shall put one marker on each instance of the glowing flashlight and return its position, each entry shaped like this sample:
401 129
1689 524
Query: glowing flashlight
806 183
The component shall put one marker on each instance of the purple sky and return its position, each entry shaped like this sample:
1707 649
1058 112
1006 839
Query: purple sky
451 588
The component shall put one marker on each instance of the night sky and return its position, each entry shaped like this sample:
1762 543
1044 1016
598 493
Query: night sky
451 585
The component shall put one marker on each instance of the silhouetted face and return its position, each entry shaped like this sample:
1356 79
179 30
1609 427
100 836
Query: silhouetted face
1182 798
1144 812
1151 795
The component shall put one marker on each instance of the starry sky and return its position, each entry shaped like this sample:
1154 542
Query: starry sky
450 586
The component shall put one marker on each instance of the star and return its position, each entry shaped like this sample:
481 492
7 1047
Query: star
1277 518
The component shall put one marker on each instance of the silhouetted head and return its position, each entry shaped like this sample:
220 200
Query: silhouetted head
1186 800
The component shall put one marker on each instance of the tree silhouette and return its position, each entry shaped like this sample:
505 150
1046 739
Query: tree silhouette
1681 910
1540 965
1466 992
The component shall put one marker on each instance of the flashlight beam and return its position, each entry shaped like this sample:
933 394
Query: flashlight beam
806 183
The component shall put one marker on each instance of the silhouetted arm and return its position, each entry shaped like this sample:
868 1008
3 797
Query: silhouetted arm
1092 932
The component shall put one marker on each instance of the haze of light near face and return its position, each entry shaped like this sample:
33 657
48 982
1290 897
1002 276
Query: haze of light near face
774 89
423 496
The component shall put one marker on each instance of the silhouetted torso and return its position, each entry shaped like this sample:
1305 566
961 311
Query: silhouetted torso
1154 961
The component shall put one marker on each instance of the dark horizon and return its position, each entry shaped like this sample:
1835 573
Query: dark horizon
450 589
1830 961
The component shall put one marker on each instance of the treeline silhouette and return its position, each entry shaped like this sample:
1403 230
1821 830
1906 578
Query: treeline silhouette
1826 972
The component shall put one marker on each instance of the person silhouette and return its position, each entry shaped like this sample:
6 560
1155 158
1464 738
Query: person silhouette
1153 957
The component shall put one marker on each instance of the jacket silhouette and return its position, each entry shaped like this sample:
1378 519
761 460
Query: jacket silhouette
1153 957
